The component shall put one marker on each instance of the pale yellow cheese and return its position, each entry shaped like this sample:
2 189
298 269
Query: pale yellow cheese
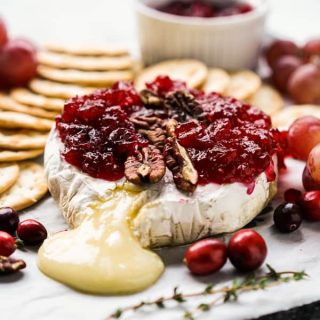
101 256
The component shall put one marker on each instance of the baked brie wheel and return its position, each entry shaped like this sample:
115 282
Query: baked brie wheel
165 167
166 215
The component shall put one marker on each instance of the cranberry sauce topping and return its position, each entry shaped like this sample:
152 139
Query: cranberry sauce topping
204 9
226 140
234 143
97 133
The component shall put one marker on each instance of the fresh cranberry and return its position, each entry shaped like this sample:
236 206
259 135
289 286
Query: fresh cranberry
311 205
293 195
287 217
206 256
31 232
309 183
7 244
247 250
9 220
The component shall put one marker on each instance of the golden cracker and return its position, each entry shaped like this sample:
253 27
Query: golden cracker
243 84
58 90
193 72
288 115
9 104
27 97
19 155
9 173
217 81
22 139
67 61
88 50
267 99
30 187
13 120
87 78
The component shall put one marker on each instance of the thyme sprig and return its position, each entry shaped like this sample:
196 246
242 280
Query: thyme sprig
220 295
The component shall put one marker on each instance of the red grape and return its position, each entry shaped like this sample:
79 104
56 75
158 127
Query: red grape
283 69
311 48
313 163
304 84
18 63
308 183
303 135
280 48
3 33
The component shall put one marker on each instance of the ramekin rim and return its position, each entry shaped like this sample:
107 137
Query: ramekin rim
260 11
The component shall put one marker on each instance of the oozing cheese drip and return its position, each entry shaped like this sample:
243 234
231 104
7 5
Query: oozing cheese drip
102 256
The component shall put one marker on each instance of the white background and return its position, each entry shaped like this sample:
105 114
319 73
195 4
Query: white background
102 20
32 296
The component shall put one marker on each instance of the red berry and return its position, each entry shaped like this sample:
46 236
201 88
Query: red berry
287 217
7 244
311 205
280 48
3 33
292 195
303 135
311 48
9 220
283 69
309 183
313 163
31 232
206 256
247 250
18 63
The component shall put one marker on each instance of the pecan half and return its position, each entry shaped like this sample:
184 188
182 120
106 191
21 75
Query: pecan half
147 165
157 137
185 176
182 104
149 98
10 265
146 122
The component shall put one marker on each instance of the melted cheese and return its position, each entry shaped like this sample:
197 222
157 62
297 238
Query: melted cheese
102 256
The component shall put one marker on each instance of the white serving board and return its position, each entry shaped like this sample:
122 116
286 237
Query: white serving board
30 295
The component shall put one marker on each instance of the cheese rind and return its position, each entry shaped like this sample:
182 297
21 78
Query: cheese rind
167 216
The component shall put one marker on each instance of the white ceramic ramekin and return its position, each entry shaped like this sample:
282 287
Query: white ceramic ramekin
227 42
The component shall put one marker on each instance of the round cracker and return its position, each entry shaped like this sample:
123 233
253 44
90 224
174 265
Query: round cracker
90 78
7 156
285 117
30 187
58 90
22 139
193 72
267 99
25 96
9 173
243 84
12 120
217 81
88 50
9 104
67 61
